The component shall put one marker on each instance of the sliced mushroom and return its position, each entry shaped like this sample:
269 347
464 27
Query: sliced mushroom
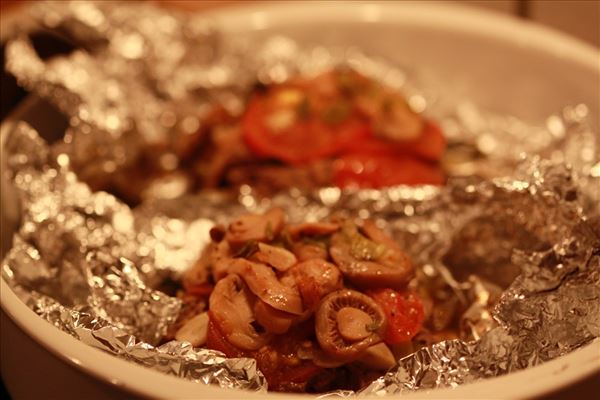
194 330
371 230
200 272
218 254
255 227
309 251
274 321
277 257
314 279
327 324
263 282
378 357
230 306
313 229
367 263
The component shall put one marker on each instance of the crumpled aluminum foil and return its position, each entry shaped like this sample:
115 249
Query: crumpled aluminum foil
72 263
87 263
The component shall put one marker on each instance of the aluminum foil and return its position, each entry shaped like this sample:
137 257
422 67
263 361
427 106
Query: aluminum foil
519 246
73 262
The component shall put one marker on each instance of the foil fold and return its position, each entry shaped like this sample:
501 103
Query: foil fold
71 262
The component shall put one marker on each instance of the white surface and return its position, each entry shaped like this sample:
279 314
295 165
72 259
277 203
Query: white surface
500 63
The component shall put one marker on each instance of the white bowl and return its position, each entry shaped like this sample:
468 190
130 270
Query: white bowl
501 63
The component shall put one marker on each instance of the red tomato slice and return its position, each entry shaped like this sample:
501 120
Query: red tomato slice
375 171
306 139
430 145
404 312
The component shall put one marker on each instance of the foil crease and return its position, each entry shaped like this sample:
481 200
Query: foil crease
519 246
71 262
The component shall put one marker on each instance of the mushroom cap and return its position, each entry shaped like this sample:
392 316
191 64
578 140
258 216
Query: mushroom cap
327 328
274 321
370 263
277 257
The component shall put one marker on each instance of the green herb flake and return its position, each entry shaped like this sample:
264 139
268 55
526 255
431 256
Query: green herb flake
248 249
321 241
336 112
373 326
286 239
362 248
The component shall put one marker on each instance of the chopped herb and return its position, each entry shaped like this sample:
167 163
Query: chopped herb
336 112
321 241
249 248
286 239
362 248
373 326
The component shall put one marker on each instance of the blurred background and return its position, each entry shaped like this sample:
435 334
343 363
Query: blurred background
578 18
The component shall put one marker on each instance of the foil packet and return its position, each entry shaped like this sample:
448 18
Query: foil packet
88 263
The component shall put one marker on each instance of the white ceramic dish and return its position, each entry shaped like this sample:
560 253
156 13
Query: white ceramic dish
500 63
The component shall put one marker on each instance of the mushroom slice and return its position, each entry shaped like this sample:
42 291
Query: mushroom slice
367 263
277 257
313 229
329 325
378 357
230 308
263 282
309 251
371 230
219 254
255 227
194 330
274 321
315 279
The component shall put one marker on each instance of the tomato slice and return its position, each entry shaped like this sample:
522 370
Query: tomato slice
404 312
381 170
430 145
300 139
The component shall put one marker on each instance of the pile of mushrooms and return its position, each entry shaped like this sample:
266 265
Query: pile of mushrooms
269 276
